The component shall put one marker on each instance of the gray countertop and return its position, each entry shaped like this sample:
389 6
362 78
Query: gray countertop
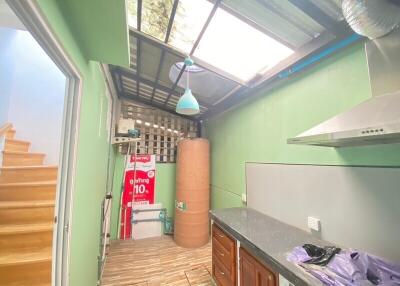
269 239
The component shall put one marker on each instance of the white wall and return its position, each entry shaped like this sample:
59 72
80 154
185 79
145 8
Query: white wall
8 18
358 206
5 76
32 90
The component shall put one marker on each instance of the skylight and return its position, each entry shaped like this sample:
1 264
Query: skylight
228 43
237 48
155 16
189 20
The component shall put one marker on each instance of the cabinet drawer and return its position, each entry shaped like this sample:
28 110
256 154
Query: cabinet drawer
224 257
227 242
219 251
220 274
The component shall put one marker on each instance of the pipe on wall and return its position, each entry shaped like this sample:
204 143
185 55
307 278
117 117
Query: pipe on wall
319 56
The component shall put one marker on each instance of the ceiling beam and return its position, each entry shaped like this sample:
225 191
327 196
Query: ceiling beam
138 42
160 64
132 75
203 30
175 84
196 43
171 20
133 97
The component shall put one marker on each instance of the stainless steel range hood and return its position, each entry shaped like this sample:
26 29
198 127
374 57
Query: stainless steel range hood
375 121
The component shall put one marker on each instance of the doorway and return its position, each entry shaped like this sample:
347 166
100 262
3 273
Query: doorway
29 15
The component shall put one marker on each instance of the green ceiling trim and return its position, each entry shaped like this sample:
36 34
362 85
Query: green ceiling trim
101 29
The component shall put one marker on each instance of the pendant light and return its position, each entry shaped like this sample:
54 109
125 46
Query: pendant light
188 104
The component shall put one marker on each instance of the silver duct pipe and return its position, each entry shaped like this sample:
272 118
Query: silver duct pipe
371 18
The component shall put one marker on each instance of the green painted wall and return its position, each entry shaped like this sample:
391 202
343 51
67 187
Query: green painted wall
165 186
100 26
257 130
164 190
91 169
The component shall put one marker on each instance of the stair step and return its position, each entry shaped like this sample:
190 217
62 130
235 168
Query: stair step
27 237
26 268
25 228
44 190
41 255
24 212
10 134
27 174
27 196
16 145
13 158
25 204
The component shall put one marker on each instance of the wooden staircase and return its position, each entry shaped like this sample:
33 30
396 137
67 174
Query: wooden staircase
27 193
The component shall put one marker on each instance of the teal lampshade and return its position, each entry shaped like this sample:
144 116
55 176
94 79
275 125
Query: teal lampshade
187 104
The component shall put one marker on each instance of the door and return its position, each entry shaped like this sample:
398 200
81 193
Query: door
252 272
263 276
29 14
247 269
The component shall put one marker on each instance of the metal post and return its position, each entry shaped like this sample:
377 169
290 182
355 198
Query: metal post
134 183
122 190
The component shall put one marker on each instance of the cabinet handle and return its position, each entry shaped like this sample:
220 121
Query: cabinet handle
222 273
220 235
220 253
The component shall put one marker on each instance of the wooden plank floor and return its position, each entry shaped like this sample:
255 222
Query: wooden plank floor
156 261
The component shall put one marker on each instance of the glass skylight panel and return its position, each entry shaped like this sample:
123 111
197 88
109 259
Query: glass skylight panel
131 6
190 18
155 16
237 48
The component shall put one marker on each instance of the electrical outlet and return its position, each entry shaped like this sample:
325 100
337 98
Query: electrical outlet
314 223
244 198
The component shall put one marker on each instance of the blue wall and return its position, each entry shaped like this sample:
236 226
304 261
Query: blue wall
32 90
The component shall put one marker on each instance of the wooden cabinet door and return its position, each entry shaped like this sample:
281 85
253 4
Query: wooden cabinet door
247 269
253 273
263 276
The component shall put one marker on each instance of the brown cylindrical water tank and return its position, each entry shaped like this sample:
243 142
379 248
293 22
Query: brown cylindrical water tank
192 193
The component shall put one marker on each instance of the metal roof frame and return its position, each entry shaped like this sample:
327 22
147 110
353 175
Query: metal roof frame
272 79
335 30
196 43
129 74
164 46
138 43
167 34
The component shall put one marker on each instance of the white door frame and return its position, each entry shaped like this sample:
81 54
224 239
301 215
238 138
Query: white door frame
31 16
112 115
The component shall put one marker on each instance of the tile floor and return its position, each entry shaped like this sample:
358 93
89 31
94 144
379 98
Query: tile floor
156 261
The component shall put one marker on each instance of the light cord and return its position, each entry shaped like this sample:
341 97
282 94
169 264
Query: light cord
187 81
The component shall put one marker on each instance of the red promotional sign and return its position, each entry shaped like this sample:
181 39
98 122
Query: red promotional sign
138 188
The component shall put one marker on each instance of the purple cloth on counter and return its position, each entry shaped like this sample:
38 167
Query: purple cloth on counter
350 268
